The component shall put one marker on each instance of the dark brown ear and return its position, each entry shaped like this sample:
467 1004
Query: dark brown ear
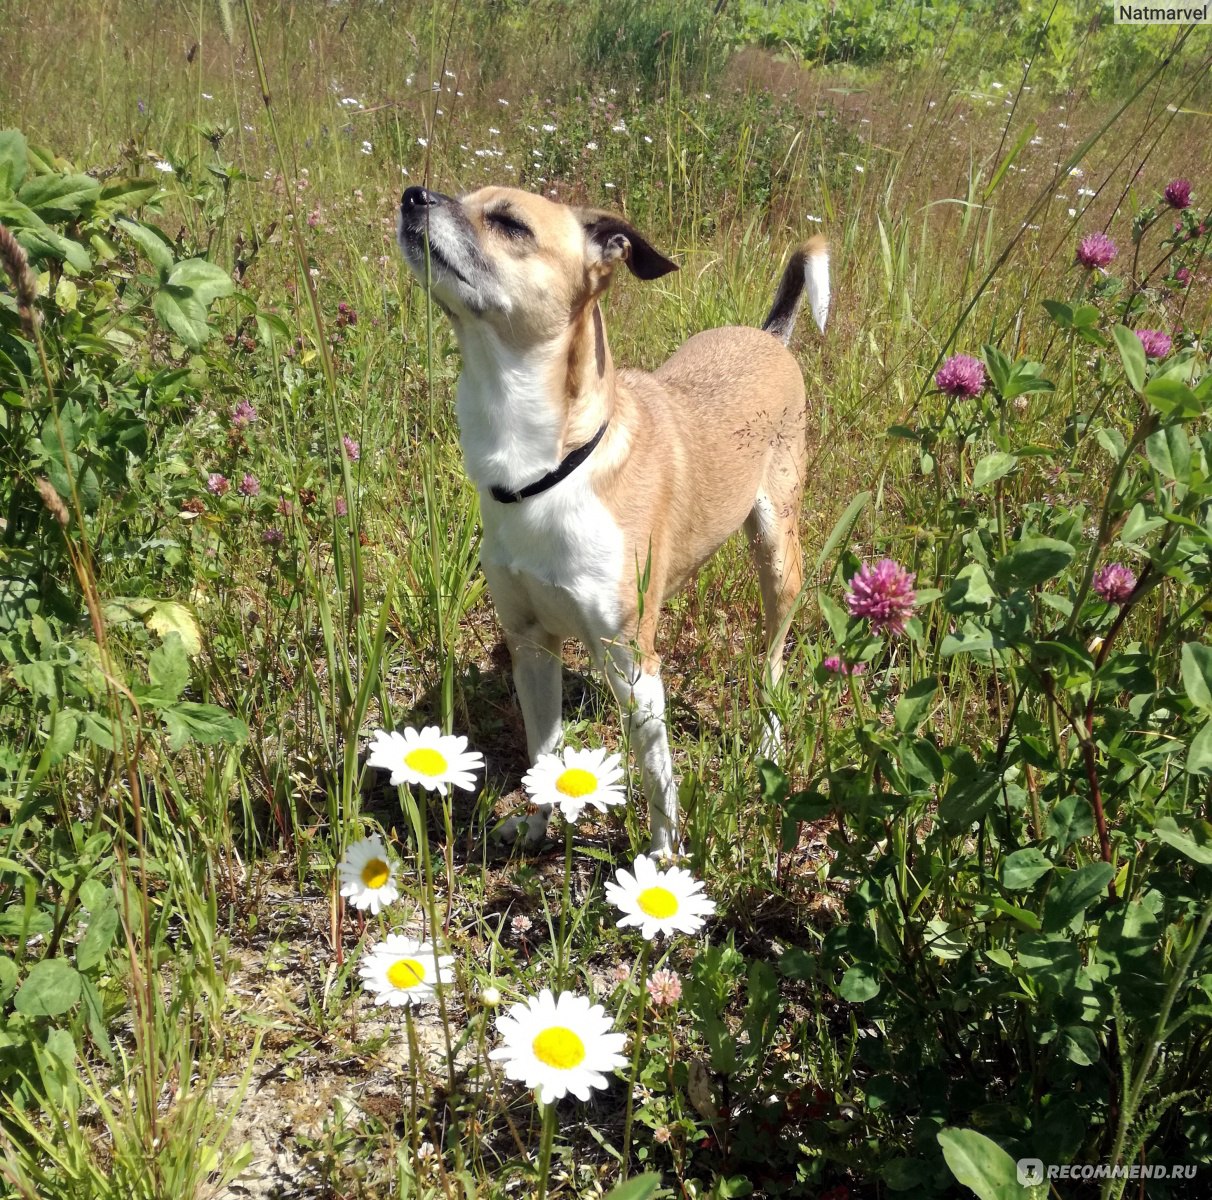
613 238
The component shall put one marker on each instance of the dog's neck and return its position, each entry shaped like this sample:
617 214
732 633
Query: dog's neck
520 413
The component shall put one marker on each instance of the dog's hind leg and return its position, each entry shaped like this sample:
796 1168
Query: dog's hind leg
637 687
537 664
773 531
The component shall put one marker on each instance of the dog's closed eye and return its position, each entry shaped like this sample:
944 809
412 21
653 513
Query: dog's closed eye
503 221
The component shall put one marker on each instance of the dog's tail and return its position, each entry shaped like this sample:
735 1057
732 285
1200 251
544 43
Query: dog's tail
808 268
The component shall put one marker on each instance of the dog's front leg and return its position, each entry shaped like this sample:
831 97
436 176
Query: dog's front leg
536 660
642 695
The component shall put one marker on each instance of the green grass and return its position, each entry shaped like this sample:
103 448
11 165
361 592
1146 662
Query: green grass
230 1037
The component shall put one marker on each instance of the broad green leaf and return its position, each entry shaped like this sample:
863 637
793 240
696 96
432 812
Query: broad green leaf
1074 894
968 641
992 467
912 707
1195 845
14 159
1070 820
205 279
64 725
1197 673
57 196
1169 450
970 591
1032 561
1060 312
67 295
1132 353
860 983
1022 868
1199 756
168 668
205 723
639 1187
8 977
980 1164
969 798
158 250
1172 398
50 989
97 939
182 312
121 194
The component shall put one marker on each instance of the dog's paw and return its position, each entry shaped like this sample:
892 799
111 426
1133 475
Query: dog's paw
525 830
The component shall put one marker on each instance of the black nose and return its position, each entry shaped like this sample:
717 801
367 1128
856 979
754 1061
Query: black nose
417 197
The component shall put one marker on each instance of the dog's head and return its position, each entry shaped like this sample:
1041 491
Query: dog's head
522 263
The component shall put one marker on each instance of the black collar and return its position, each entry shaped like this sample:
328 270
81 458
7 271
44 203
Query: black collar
566 468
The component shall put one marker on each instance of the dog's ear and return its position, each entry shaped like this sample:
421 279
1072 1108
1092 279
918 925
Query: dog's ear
613 238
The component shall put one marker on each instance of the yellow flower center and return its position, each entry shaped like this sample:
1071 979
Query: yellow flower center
559 1047
376 873
405 973
575 782
658 902
426 760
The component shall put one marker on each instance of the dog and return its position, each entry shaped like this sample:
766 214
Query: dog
603 490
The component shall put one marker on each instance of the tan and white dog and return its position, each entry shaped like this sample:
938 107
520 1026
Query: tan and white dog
603 490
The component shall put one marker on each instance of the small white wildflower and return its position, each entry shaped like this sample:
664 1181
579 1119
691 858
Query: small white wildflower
207 96
503 103
366 147
549 128
860 168
422 141
591 145
166 167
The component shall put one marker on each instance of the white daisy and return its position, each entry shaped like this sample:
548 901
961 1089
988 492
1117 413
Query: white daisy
431 758
558 1045
574 779
401 970
368 880
670 901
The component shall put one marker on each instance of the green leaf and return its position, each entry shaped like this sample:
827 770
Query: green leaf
14 159
1172 398
860 983
97 939
1195 845
8 977
639 1187
56 197
1021 869
980 1164
1061 313
205 723
1199 756
992 467
181 311
1071 820
969 798
206 280
1074 894
1197 673
841 528
1132 353
158 249
50 989
1169 450
970 591
1032 561
61 738
168 668
912 707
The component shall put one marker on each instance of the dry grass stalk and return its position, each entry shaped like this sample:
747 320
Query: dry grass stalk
12 253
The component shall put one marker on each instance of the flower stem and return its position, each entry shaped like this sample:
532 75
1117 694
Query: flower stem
549 1121
635 1054
414 1065
565 902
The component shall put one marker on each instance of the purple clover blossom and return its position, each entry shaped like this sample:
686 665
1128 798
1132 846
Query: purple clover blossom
341 507
1182 277
217 484
352 450
836 665
1114 583
1156 343
1178 193
250 486
1096 250
961 376
243 415
273 537
883 594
